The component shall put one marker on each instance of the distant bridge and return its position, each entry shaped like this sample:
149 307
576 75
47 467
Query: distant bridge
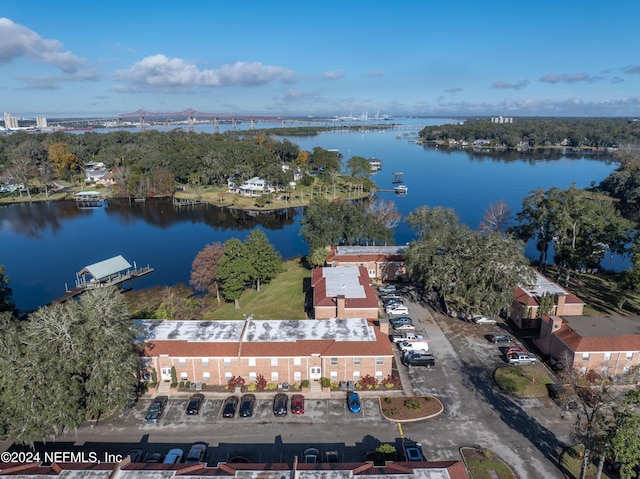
191 114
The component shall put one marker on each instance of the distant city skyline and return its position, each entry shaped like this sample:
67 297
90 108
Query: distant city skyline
324 59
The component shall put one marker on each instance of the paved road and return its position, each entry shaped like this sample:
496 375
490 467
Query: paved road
528 434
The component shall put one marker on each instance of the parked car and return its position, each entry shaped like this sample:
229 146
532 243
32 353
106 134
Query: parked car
389 296
280 402
197 453
331 457
387 288
412 451
156 409
499 338
392 302
397 311
404 327
297 404
194 404
310 455
399 337
135 455
400 320
153 457
229 407
521 358
174 456
353 402
419 358
514 350
247 403
484 320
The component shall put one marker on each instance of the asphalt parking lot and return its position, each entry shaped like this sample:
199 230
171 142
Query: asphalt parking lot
527 433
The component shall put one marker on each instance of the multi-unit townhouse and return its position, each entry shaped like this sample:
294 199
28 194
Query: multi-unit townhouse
383 263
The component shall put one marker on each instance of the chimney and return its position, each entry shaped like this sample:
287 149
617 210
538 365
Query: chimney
560 302
340 306
384 325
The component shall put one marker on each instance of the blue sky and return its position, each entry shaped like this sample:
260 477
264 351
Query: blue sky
321 58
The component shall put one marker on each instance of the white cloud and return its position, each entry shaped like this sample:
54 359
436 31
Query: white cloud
565 78
159 71
515 86
17 41
333 75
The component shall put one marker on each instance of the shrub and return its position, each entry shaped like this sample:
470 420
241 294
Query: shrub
187 384
181 385
391 382
388 400
251 387
261 383
235 381
367 382
305 383
413 404
386 449
271 386
174 377
326 382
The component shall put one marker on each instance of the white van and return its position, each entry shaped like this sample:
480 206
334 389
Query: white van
415 345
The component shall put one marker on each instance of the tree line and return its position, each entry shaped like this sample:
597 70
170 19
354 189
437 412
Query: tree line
154 163
540 132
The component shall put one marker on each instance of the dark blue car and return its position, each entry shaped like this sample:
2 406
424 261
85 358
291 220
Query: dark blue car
353 401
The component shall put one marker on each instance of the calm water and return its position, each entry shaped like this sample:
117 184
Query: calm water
43 245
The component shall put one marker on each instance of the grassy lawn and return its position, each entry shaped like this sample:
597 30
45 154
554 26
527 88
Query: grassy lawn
596 292
524 381
571 463
484 464
282 298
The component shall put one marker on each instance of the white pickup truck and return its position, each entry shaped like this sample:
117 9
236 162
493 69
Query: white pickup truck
415 345
398 338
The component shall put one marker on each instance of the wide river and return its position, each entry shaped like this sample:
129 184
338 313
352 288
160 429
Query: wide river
44 245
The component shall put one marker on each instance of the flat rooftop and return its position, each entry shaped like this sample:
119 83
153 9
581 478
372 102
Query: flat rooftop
343 281
604 326
257 330
358 250
543 285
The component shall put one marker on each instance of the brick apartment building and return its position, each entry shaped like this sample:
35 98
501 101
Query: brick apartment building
343 292
282 351
527 301
606 344
382 263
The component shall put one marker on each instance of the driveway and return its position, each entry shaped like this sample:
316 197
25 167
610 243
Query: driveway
527 433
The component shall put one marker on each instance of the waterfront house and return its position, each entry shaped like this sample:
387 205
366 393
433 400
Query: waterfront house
254 187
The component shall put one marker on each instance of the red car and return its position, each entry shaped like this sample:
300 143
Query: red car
297 404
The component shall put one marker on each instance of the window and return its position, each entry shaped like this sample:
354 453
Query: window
585 356
379 375
274 377
297 376
372 273
605 371
583 371
629 356
274 361
379 360
182 362
252 376
183 376
227 361
626 370
205 362
206 377
356 375
227 376
356 361
607 356
297 361
334 361
252 361
334 375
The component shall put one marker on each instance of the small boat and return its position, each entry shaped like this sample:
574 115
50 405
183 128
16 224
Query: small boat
376 165
401 189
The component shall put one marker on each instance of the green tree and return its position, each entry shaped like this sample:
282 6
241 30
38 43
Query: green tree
622 432
66 363
474 273
6 293
234 270
266 261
